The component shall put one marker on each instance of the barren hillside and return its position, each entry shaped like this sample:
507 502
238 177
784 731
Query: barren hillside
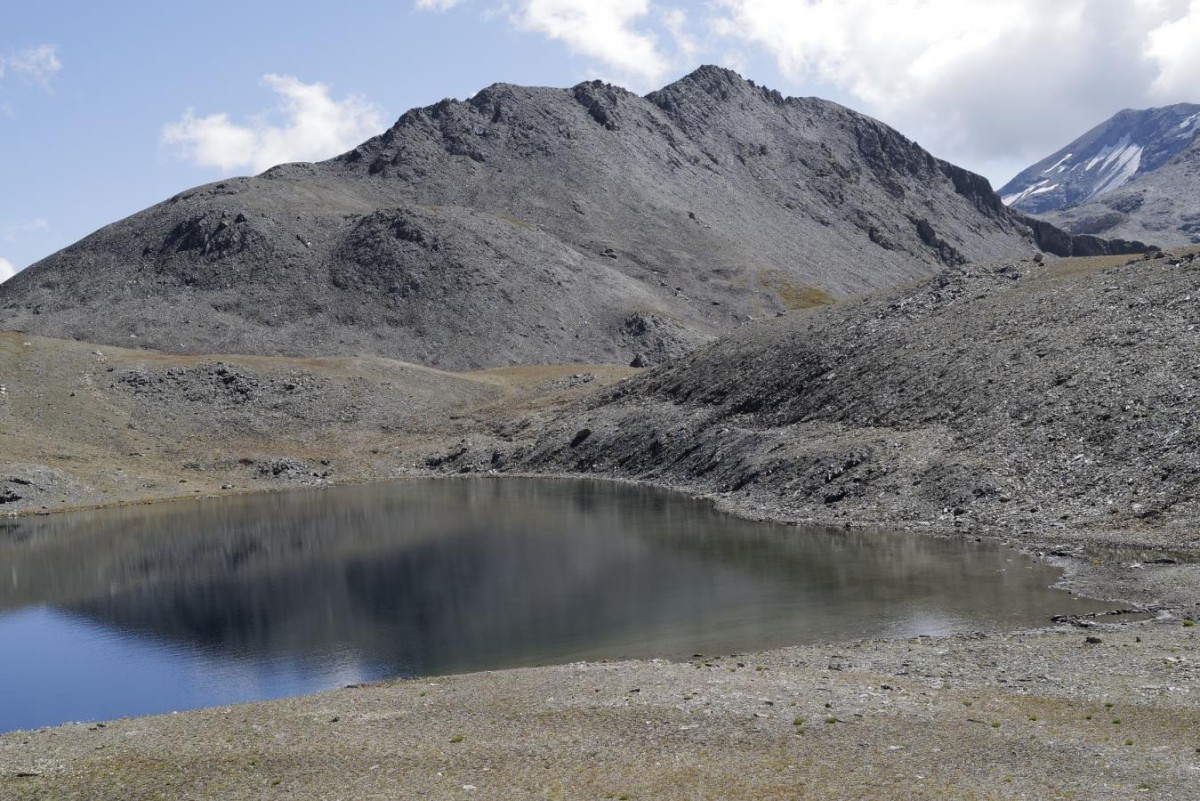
532 225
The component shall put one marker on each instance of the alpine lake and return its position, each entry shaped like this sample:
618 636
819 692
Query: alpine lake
150 609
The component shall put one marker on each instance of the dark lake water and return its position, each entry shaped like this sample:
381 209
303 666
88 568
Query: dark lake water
150 609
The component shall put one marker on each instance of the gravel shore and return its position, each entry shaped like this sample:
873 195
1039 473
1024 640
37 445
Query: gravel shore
1100 708
1019 715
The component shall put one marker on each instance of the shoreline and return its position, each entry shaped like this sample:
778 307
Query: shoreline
1002 715
893 718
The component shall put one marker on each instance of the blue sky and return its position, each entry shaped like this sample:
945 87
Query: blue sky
106 108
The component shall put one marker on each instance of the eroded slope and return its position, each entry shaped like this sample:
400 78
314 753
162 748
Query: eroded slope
1053 398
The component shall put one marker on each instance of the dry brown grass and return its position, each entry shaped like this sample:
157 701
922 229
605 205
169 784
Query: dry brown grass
1087 264
58 409
1082 265
528 376
793 295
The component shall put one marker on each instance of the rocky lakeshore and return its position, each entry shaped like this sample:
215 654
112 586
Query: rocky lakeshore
1107 713
1102 707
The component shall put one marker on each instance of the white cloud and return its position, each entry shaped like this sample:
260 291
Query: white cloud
315 126
985 81
605 30
37 64
619 34
1172 47
7 270
675 20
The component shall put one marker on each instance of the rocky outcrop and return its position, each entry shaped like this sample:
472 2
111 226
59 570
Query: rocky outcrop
1055 240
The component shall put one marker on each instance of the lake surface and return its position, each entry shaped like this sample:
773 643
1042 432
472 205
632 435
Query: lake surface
157 608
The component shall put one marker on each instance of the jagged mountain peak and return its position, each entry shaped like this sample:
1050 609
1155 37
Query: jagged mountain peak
717 81
1162 205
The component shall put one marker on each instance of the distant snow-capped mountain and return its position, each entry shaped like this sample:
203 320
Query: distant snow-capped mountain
1130 144
1162 206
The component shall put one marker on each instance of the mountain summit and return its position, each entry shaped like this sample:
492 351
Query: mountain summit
1130 144
533 225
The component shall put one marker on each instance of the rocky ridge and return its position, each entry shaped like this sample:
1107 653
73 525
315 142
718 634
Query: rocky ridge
531 225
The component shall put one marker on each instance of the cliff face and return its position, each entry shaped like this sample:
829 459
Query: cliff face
529 225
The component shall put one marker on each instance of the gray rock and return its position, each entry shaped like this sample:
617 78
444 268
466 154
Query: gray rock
457 237
1062 400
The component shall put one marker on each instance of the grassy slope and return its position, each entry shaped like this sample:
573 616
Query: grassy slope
88 425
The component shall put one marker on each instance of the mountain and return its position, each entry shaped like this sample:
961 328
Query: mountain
1163 205
529 225
1130 145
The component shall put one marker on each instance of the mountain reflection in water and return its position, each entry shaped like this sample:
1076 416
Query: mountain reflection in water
427 577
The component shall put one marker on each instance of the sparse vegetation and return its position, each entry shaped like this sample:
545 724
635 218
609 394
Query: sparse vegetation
792 295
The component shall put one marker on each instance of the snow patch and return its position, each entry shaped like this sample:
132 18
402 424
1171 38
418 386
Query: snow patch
1058 166
1188 127
1115 152
1036 189
1106 152
1124 165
